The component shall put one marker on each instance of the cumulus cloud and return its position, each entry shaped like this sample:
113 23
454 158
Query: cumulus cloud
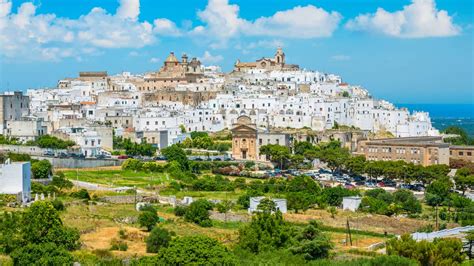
299 22
419 19
24 34
222 22
154 60
166 27
128 9
208 58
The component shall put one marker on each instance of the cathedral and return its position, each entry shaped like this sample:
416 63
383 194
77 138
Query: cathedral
275 63
172 73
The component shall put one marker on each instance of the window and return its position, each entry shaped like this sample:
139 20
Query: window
461 153
469 153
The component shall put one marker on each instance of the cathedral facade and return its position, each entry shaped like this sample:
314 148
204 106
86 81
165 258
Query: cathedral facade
275 63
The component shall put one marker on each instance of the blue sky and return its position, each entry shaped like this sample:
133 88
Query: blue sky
405 51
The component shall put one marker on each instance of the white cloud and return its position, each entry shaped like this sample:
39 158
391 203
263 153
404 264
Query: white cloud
31 36
222 22
133 53
154 60
165 26
419 19
299 22
208 58
221 19
340 57
128 9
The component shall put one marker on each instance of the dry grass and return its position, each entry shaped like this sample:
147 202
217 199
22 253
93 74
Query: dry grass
101 238
360 221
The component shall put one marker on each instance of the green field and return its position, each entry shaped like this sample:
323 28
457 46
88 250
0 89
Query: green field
118 177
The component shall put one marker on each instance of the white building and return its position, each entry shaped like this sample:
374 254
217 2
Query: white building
279 203
15 179
351 203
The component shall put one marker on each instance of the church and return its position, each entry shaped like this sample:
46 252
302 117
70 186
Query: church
275 63
172 73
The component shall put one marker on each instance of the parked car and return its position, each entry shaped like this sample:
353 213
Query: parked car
349 186
122 157
160 158
217 159
62 155
48 153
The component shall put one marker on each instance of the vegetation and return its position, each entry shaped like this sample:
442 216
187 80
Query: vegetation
202 140
442 251
148 217
198 213
133 148
462 138
159 238
382 202
195 250
269 231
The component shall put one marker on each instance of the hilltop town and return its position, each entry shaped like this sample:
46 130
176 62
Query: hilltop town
267 164
185 96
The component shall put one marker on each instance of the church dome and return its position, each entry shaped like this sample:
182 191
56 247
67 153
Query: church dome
171 58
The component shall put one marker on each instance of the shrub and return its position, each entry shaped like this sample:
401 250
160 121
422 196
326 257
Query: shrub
196 250
148 219
180 210
81 194
58 204
117 244
158 238
41 254
198 213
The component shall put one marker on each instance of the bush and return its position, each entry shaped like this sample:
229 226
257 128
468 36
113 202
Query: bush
117 244
41 169
180 210
158 238
58 205
148 219
41 254
198 213
196 250
81 194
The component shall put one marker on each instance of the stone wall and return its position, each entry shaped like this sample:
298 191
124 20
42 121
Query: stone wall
80 163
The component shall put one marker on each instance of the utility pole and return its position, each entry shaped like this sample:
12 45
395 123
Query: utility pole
348 232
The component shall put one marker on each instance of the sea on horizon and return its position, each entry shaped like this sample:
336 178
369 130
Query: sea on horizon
445 115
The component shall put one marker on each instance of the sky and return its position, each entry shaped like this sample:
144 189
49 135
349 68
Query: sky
404 51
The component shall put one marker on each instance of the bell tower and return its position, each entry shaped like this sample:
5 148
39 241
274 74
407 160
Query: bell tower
280 56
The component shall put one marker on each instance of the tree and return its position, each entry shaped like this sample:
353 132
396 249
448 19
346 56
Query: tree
312 243
159 238
407 200
470 244
303 183
267 205
334 156
356 165
198 213
438 191
10 228
265 232
196 250
224 207
277 154
298 201
301 147
41 169
464 182
148 219
41 254
175 153
41 224
60 181
442 251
